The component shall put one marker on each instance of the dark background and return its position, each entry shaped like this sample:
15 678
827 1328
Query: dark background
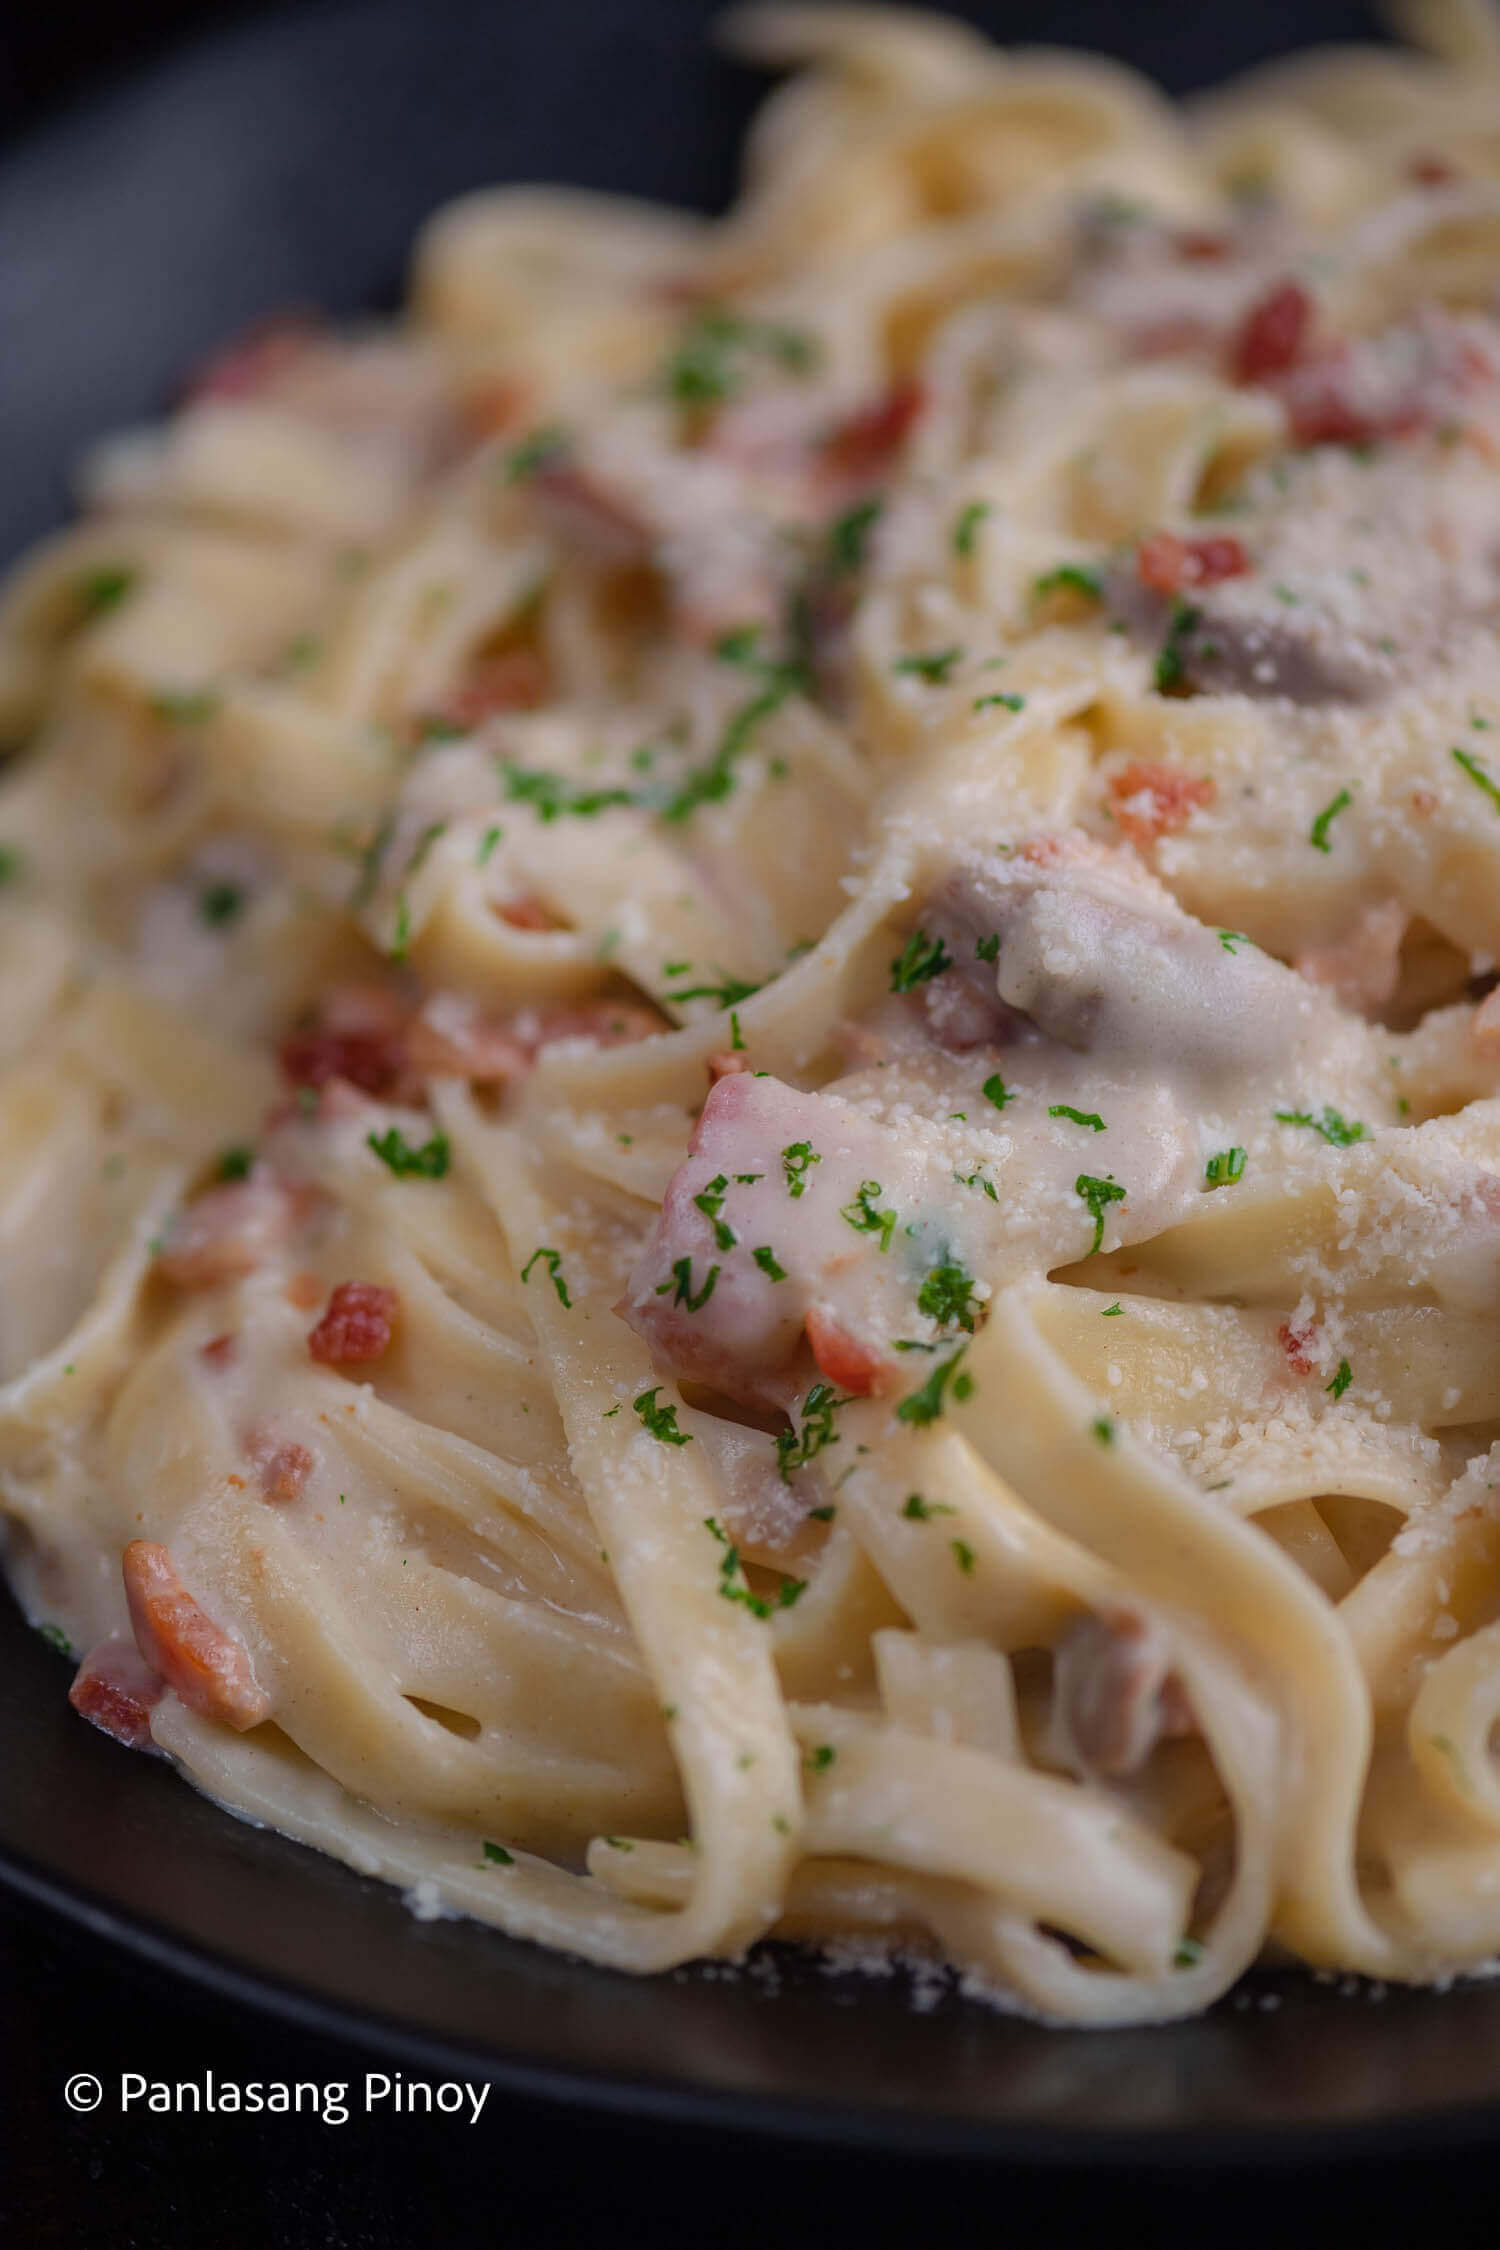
167 172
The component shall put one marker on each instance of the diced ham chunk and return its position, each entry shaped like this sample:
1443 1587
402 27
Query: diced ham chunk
208 1667
1114 1697
797 1182
116 1690
358 1324
227 1232
726 1062
1150 799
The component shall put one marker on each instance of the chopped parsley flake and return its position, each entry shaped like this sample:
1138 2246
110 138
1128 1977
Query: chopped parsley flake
925 1405
797 1158
765 1258
541 450
1097 1195
707 366
551 796
104 588
724 995
1189 1953
1070 578
987 948
849 535
1232 940
496 1855
920 958
487 843
682 1294
185 707
947 1295
966 528
401 935
963 1555
1171 671
821 1757
1224 1168
1343 1377
220 904
918 1510
710 784
864 1218
1479 774
661 1421
429 1162
977 1179
1339 1132
552 1260
1317 835
732 1583
1088 1117
235 1163
58 1639
1112 1312
736 1042
710 1203
818 1432
1011 702
932 665
1102 1428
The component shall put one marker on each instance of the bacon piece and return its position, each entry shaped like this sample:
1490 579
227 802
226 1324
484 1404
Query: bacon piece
514 680
1113 1696
227 1232
1430 171
1272 335
1417 376
843 1358
1166 563
255 360
209 1668
1151 799
489 408
116 1691
283 1466
219 1350
358 1324
1199 247
864 447
1296 1340
359 1036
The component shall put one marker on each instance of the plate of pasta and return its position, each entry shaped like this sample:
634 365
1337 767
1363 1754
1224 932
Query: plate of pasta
750 1078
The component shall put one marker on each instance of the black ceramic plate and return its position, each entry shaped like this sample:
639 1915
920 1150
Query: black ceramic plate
289 161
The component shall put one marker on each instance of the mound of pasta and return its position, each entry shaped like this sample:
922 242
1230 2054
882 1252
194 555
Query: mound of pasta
751 1045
